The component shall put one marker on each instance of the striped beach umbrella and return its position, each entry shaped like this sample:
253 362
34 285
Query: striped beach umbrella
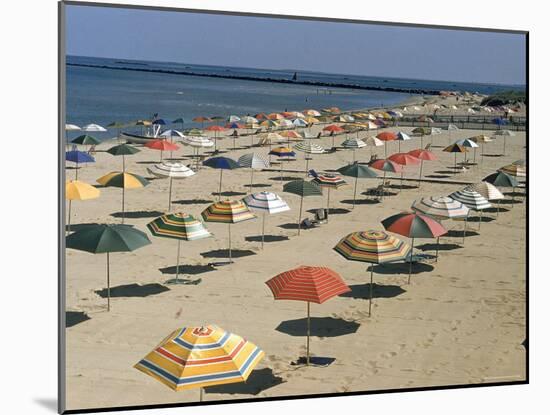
161 145
77 190
359 171
442 207
180 226
374 247
197 142
100 239
515 170
78 157
329 181
300 122
353 144
309 284
267 203
401 136
414 225
472 199
282 153
312 112
197 357
309 148
171 171
123 150
386 166
253 161
455 148
302 189
422 155
466 142
227 211
124 181
221 163
284 123
488 191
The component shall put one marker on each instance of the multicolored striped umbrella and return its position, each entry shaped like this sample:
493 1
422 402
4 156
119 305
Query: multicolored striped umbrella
310 284
372 246
266 202
196 357
329 181
180 226
77 190
359 171
123 180
414 225
171 171
227 211
441 207
100 239
385 165
354 144
222 163
253 161
302 189
515 170
161 145
488 191
282 152
473 199
309 148
455 148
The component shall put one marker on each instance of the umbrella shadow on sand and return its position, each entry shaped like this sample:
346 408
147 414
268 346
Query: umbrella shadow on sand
72 318
457 233
133 290
440 247
224 253
258 185
188 269
147 162
228 194
138 214
496 209
403 268
476 219
320 327
437 176
192 202
332 211
360 201
267 238
362 291
403 186
284 178
510 201
258 381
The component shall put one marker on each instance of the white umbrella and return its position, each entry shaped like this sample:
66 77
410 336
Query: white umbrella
93 127
473 199
70 127
197 142
504 133
401 136
309 148
466 142
489 192
354 144
299 122
266 202
253 161
233 118
172 171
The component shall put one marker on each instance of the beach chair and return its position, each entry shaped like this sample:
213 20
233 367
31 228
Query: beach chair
92 149
376 192
428 146
320 216
307 224
312 173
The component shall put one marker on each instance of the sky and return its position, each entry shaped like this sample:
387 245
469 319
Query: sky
255 42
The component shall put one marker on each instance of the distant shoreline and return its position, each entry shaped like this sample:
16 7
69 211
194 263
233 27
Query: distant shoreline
416 91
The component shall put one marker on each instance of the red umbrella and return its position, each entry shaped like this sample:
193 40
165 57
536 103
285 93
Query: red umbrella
385 137
216 129
333 128
261 116
422 154
310 284
275 116
404 159
385 165
414 225
162 145
202 120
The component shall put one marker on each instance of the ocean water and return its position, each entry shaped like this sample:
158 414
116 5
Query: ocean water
101 95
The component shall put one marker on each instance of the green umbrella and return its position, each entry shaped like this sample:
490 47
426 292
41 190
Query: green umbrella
100 239
123 150
422 131
359 171
302 189
86 139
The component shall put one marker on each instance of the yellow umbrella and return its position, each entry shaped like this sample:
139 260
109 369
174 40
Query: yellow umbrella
124 181
196 357
77 190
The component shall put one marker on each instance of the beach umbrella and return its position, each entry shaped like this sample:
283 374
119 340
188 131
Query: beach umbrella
374 247
86 139
423 155
269 138
354 144
302 189
309 284
93 128
217 118
227 211
234 125
233 118
77 190
202 120
333 129
216 129
359 171
123 150
385 137
414 225
70 127
488 191
197 357
260 116
171 134
473 199
291 134
386 166
455 148
282 152
504 134
372 141
481 139
180 226
275 116
117 125
124 181
267 203
502 179
450 129
344 118
329 181
401 136
515 170
253 161
249 120
171 171
422 131
197 142
313 113
222 163
466 142
404 159
101 239
179 120
269 123
161 145
300 122
309 148
195 132
311 120
285 123
78 157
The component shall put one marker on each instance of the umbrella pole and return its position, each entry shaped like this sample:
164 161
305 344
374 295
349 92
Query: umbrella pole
230 259
123 204
220 187
300 215
161 156
480 216
251 178
371 288
69 218
263 229
108 285
437 249
464 234
328 202
123 164
411 261
401 185
307 164
354 192
504 148
420 176
308 334
455 164
76 171
200 394
178 260
498 207
170 195
384 185
474 155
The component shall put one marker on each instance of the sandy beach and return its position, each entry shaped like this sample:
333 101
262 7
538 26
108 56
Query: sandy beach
460 320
